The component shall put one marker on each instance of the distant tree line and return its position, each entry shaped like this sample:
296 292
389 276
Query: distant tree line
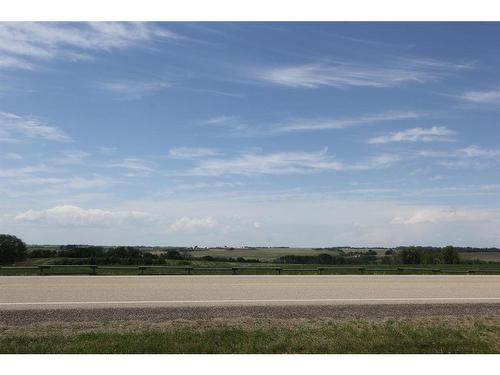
460 249
327 259
422 255
406 255
129 255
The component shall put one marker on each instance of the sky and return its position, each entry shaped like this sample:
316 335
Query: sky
257 134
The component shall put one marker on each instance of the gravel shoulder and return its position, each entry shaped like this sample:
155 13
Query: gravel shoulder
167 314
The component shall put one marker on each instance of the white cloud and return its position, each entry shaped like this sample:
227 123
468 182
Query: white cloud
440 215
16 128
284 163
68 215
341 75
190 224
192 152
482 96
128 89
436 133
24 44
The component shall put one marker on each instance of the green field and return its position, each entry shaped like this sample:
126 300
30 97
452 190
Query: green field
251 335
484 256
268 254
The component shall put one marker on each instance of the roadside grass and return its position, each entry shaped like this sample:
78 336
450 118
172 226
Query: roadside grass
418 335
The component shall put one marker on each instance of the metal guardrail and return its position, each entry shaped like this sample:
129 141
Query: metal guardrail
189 270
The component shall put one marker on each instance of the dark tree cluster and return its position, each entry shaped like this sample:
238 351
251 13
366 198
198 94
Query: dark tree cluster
326 259
12 249
422 255
210 258
42 253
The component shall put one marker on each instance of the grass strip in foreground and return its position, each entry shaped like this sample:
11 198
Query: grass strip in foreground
255 335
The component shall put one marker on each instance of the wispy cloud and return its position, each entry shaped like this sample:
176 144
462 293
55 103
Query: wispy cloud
134 164
471 156
436 133
440 215
472 152
71 157
189 224
26 171
128 89
73 183
68 215
15 128
342 75
234 126
12 156
284 163
492 96
24 45
328 124
218 120
478 152
192 152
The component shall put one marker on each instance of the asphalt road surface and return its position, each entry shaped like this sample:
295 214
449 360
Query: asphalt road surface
50 292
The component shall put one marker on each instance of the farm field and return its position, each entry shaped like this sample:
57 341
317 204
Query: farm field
485 256
258 253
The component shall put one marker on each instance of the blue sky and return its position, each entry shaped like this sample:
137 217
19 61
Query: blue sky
297 134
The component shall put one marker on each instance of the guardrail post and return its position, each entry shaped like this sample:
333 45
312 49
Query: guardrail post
319 271
361 269
188 270
278 270
235 270
141 269
42 267
93 269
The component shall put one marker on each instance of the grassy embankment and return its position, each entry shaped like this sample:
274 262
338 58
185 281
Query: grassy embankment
419 335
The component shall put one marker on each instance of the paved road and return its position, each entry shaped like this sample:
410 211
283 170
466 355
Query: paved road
43 292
